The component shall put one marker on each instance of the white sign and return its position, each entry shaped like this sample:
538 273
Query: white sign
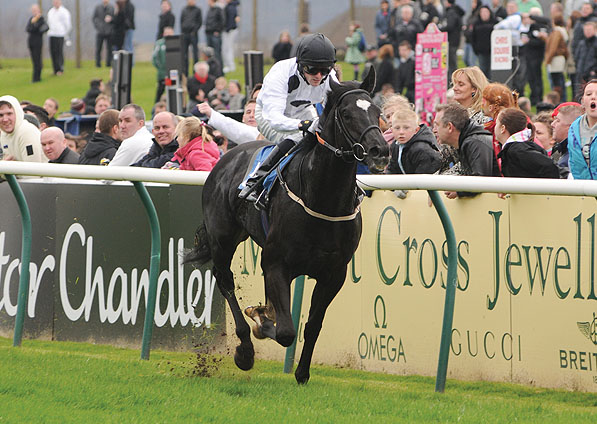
501 50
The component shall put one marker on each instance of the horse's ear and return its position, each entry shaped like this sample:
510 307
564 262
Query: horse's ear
333 84
368 83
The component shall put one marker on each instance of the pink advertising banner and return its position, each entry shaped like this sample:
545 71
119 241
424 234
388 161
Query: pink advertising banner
431 71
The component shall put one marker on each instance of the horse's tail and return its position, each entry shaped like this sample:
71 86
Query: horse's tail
200 253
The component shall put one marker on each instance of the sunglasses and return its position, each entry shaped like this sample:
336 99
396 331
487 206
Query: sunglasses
314 70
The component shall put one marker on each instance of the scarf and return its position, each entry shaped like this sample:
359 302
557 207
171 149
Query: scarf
520 136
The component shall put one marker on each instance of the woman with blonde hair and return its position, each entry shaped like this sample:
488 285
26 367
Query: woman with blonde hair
468 84
197 151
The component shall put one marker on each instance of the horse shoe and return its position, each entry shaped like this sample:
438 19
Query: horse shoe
264 318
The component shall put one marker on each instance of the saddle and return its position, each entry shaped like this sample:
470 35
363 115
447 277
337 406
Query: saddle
257 159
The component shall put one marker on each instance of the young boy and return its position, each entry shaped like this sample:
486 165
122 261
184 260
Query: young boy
414 150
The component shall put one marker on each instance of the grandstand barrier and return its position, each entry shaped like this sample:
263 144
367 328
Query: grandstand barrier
515 351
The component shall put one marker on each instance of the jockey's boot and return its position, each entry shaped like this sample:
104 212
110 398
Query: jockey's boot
253 190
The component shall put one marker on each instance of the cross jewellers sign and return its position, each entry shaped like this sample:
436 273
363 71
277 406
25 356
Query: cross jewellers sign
526 304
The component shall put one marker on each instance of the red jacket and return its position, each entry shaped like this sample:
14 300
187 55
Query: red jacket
197 155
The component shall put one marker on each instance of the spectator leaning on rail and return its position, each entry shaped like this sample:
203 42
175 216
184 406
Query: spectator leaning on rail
234 131
164 143
136 140
197 151
104 142
521 156
54 145
19 138
581 137
285 103
415 149
563 116
474 145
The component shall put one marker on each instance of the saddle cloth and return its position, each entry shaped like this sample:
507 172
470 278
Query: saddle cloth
257 159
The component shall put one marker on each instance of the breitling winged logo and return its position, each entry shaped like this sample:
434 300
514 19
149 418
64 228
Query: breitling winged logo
589 329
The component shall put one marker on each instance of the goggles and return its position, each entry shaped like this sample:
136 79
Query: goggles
314 70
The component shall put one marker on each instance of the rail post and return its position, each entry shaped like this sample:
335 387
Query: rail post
446 338
153 267
25 258
297 301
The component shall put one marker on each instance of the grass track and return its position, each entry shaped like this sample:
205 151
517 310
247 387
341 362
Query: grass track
57 382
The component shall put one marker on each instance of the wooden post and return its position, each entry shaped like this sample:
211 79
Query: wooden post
78 39
254 38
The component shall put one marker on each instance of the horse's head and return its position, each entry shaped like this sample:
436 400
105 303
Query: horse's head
350 122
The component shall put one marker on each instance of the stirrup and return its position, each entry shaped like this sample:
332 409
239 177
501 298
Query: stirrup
248 192
260 201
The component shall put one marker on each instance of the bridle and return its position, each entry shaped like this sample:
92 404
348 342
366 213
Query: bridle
356 151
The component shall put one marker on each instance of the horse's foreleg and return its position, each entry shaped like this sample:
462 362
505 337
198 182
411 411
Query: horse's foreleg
244 357
277 290
323 294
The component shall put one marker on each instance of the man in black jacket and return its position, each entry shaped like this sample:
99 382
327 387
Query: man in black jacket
166 18
104 143
474 144
191 20
103 17
164 143
214 25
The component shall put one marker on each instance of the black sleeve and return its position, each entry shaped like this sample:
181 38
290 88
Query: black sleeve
480 158
427 161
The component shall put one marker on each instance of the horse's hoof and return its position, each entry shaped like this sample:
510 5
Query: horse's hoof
244 357
285 339
300 377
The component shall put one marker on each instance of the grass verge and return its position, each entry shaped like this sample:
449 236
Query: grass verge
74 382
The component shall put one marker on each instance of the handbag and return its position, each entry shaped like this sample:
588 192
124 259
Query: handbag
557 65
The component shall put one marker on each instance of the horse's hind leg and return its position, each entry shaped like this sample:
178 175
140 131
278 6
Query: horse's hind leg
277 290
244 355
323 294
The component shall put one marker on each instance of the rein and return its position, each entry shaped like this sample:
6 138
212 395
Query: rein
357 151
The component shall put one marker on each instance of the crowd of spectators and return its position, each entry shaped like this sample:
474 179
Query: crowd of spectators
485 129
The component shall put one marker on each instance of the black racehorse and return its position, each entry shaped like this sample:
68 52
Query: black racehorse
313 215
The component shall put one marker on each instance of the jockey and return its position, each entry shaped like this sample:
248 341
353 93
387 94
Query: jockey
285 104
